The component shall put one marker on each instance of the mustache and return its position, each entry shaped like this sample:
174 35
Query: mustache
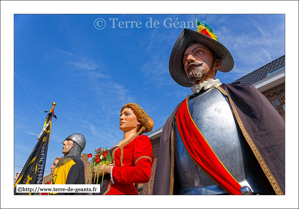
196 63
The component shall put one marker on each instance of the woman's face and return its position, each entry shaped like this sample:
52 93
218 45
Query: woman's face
17 176
128 120
54 166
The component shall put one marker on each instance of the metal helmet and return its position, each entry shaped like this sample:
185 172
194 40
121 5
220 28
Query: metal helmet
79 139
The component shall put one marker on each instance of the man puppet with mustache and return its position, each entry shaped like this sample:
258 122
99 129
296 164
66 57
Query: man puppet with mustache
224 138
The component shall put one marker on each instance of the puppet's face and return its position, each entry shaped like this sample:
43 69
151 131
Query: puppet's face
198 61
67 146
17 176
128 120
54 166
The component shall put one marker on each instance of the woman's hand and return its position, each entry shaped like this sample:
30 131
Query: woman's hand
100 168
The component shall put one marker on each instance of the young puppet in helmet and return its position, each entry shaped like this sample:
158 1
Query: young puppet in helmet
70 170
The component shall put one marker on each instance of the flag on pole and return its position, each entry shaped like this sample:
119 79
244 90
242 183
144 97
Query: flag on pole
33 170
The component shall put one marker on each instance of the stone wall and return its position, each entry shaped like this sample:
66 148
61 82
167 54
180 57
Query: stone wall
147 189
276 96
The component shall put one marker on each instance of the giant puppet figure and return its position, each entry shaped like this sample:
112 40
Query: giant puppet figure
224 138
70 170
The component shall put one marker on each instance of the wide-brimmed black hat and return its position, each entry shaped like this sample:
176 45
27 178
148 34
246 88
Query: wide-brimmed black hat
176 68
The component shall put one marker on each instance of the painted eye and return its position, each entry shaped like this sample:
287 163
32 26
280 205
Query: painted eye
184 59
198 52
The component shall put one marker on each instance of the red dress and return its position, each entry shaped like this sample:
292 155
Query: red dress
132 164
46 193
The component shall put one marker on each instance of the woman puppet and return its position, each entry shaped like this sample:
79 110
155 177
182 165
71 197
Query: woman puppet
132 156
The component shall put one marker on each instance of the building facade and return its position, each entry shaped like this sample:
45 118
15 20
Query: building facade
270 81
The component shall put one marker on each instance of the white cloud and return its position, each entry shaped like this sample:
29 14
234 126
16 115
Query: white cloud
159 40
104 133
122 93
91 127
84 65
89 67
31 133
20 147
256 44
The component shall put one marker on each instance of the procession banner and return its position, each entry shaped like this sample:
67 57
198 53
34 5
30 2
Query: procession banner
33 170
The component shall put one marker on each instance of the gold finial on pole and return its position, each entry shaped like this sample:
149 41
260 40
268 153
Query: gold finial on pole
53 105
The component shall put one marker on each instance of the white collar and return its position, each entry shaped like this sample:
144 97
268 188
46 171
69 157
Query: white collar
205 85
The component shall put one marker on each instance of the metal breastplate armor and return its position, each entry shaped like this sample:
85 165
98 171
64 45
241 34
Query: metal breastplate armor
213 116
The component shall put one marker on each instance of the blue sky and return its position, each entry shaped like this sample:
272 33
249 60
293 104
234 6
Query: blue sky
92 73
47 57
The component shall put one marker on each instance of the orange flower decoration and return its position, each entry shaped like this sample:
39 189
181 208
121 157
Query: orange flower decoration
89 155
